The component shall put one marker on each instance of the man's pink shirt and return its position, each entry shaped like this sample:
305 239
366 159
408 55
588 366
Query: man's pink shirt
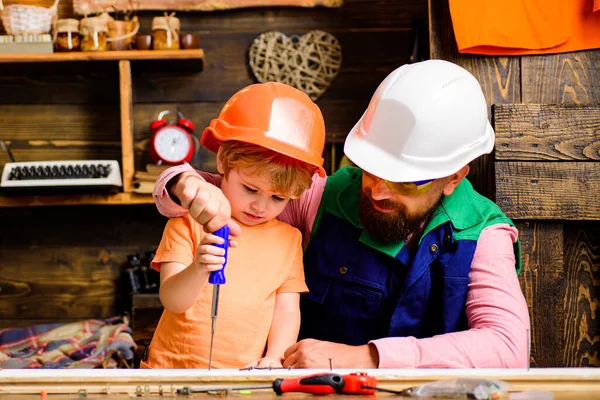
496 309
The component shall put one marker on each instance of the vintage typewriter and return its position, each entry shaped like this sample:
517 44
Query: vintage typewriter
54 177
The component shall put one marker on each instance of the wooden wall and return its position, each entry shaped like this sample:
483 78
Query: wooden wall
60 263
561 258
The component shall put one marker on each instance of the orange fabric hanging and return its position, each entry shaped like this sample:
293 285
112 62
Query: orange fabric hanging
517 27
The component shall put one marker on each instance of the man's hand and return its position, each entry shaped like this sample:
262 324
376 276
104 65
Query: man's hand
205 202
310 353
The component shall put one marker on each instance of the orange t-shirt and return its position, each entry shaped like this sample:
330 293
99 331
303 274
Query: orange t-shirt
517 27
267 261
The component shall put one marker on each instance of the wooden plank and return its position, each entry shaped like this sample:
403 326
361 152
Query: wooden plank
355 14
358 14
582 258
116 55
547 132
126 99
76 200
367 59
567 78
58 282
57 124
40 229
548 190
499 78
60 132
579 383
64 264
84 7
59 83
340 116
543 283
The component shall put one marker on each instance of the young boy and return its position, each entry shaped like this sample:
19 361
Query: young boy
269 139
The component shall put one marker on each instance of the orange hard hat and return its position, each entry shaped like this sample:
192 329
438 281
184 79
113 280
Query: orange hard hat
274 116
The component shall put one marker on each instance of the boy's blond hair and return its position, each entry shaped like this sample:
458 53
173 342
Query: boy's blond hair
288 176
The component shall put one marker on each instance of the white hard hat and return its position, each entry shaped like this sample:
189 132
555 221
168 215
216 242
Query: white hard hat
425 121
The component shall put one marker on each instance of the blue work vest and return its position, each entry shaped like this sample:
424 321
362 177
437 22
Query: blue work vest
361 289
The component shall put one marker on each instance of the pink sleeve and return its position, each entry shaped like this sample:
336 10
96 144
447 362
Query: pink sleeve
165 205
301 213
496 310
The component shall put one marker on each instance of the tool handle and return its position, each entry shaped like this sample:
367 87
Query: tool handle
314 384
218 277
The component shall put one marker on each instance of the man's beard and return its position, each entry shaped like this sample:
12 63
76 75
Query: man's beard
394 226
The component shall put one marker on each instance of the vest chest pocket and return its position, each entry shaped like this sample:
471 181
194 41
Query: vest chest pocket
343 293
342 310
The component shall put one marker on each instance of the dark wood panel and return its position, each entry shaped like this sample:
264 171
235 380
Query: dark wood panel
65 263
340 115
60 132
382 14
62 122
548 190
34 229
499 79
367 58
356 14
567 78
547 132
543 282
77 282
582 280
55 83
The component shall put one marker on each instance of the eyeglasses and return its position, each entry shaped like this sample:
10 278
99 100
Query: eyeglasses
410 189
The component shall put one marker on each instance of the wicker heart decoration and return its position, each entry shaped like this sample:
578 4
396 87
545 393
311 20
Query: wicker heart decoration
308 63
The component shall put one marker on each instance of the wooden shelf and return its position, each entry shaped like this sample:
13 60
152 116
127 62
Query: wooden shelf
132 55
71 200
124 59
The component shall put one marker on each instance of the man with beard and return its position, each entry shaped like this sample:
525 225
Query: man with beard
407 266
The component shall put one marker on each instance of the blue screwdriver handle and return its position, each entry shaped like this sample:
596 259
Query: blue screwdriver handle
218 277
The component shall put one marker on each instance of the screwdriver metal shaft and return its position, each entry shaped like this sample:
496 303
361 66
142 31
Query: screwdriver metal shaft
213 317
217 278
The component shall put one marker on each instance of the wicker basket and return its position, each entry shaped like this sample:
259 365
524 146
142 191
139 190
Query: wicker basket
22 20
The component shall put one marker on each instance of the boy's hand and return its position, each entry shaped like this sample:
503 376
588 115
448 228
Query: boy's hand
265 362
205 202
210 258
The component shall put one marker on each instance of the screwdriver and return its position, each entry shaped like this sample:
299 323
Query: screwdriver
217 278
319 384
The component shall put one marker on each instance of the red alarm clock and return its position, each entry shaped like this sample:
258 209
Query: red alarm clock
171 143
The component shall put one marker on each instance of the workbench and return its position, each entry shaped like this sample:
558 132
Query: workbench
564 383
